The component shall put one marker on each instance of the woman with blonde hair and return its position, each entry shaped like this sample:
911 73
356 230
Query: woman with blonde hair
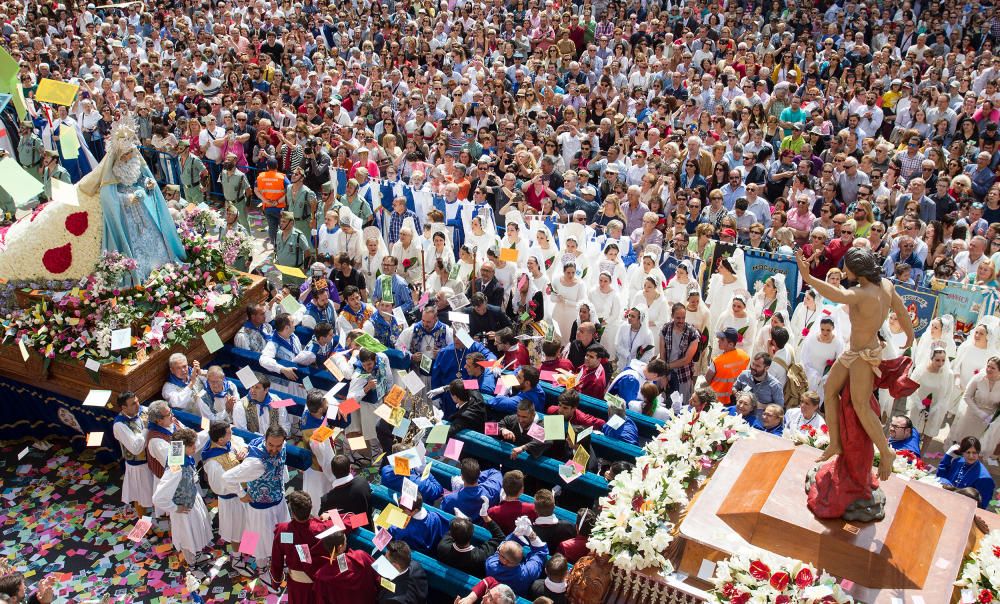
703 244
864 218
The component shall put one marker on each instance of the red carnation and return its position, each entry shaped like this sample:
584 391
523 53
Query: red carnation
406 263
782 599
829 362
926 402
741 598
825 429
728 590
759 570
805 331
768 313
996 551
985 597
804 578
779 580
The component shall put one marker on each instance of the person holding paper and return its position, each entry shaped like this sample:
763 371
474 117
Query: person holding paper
479 489
390 286
219 396
527 390
424 339
284 346
510 566
470 409
348 494
385 325
130 432
292 545
260 481
515 353
319 309
223 452
486 378
160 430
178 495
343 576
64 136
51 169
254 412
428 487
316 479
515 429
354 314
184 385
410 585
424 530
371 382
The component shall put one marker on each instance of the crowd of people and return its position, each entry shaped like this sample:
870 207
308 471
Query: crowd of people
535 188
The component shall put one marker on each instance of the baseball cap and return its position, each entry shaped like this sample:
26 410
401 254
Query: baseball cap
730 334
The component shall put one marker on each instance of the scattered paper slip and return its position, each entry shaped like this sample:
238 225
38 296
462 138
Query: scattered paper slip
248 543
453 450
94 439
247 377
97 398
121 338
212 341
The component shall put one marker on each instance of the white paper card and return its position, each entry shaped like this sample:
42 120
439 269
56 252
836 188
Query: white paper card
616 421
458 317
409 489
400 317
247 377
464 337
412 382
706 570
92 365
97 398
385 568
121 338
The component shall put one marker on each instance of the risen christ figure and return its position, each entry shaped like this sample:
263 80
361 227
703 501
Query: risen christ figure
869 303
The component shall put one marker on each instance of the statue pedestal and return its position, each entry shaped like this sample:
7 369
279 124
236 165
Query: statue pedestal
757 497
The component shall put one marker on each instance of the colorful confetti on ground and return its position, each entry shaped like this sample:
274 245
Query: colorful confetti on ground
62 513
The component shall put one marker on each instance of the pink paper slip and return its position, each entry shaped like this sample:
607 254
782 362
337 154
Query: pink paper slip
492 429
248 544
453 449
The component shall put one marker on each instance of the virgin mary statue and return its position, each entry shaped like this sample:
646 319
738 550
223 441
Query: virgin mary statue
137 222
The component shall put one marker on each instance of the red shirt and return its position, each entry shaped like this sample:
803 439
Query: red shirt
580 418
518 355
359 583
574 548
285 555
506 512
556 364
593 382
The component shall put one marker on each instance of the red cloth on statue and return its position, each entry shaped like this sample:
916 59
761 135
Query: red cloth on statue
849 477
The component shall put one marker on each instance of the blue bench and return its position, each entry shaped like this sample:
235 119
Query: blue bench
444 579
382 496
545 468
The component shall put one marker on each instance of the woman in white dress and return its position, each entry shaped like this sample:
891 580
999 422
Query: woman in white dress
677 287
348 238
465 267
634 339
408 250
608 309
982 401
763 336
896 334
613 234
441 278
566 293
974 351
804 318
653 304
479 239
739 318
545 248
611 263
640 271
928 406
571 254
820 350
697 317
940 333
512 240
439 249
724 282
375 251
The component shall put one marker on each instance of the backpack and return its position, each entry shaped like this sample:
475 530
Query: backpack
795 383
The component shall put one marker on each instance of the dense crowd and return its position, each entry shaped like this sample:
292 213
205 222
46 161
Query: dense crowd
538 188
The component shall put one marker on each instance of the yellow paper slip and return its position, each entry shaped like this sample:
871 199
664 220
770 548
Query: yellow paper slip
291 271
55 92
68 141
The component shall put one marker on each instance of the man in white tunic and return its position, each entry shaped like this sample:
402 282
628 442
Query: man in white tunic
178 494
264 475
284 346
255 413
130 431
224 452
184 385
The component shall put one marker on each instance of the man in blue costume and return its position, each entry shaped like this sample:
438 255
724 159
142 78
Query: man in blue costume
961 468
450 364
478 488
628 381
903 436
423 531
137 222
527 389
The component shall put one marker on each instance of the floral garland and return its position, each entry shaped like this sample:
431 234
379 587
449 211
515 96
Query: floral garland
981 571
761 577
908 466
170 308
634 527
808 435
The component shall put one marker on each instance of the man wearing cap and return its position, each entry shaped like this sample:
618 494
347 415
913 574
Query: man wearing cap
795 140
291 247
52 169
194 175
29 149
271 188
726 367
302 202
235 188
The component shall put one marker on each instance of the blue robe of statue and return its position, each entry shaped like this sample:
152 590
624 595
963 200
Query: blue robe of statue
142 230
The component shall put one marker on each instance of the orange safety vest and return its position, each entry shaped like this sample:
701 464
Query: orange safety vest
271 185
728 366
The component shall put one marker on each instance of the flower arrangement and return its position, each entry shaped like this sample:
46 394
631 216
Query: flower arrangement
761 577
808 435
742 331
981 571
828 366
634 527
168 309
